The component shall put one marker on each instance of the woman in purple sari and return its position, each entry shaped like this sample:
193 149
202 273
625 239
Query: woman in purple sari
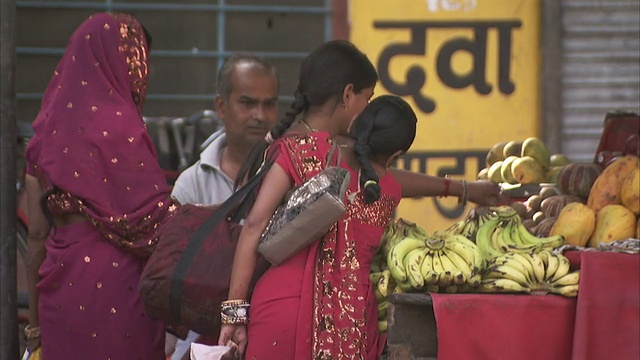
96 196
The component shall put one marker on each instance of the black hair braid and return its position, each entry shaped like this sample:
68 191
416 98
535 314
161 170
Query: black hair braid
254 160
300 104
362 149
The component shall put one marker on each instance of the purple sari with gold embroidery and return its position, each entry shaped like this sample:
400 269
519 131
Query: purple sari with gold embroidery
92 150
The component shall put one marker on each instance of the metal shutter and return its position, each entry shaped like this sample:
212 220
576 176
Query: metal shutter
600 69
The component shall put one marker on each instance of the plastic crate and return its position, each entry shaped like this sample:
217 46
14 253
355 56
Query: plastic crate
618 126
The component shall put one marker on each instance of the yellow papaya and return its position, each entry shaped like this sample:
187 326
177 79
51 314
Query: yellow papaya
630 191
613 222
576 223
608 185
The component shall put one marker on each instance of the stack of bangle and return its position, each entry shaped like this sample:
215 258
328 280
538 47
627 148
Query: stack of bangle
462 200
31 332
234 312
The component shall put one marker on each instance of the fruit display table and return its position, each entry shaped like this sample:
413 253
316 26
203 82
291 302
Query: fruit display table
603 322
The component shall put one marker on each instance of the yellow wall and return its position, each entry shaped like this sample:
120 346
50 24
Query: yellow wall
424 51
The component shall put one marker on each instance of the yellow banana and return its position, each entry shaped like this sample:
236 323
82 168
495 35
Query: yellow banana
382 325
464 270
416 231
450 269
502 285
426 269
383 283
551 264
395 259
412 263
568 290
383 307
572 278
506 272
537 266
438 268
433 288
564 266
471 248
451 289
374 276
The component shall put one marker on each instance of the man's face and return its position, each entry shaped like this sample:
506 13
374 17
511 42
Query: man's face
252 107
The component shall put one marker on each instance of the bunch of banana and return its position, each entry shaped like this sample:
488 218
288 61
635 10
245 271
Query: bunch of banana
435 264
506 233
383 285
528 272
397 231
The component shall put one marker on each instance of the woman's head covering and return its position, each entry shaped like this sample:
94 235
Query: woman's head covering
90 139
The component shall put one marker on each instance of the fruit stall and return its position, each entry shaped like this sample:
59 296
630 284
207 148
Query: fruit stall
552 274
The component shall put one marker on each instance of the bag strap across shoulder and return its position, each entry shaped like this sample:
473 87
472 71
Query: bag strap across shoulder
242 195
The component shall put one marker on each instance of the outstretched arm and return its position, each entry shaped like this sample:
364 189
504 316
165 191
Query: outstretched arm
416 184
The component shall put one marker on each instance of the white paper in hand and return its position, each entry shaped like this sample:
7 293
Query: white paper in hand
207 352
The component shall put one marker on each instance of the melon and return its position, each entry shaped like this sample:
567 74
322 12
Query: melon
577 178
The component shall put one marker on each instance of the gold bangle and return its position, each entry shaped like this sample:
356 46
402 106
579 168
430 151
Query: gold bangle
31 332
369 182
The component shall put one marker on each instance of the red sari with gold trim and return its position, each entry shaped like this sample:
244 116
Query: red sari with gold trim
320 304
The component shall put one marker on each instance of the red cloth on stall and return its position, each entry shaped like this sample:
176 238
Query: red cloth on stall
504 326
607 322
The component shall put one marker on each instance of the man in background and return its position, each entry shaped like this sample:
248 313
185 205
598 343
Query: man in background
247 104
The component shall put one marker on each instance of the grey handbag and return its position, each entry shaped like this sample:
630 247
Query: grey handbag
307 214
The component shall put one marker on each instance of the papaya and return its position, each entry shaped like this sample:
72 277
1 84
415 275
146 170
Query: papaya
608 185
576 223
613 222
630 191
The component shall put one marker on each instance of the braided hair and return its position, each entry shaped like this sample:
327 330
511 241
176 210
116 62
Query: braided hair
324 74
385 126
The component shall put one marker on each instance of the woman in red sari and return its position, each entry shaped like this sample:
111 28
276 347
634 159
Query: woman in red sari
96 196
318 304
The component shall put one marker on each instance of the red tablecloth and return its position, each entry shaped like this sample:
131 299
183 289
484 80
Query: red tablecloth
607 324
603 322
495 327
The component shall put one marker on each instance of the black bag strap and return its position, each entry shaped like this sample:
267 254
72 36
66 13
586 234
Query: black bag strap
192 248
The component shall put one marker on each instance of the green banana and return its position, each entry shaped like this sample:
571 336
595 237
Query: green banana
528 238
504 211
484 238
395 259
